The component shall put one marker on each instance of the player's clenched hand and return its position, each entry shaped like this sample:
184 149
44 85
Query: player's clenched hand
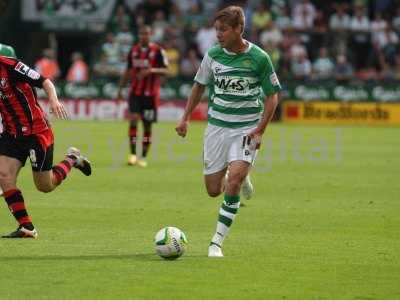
181 129
58 109
255 138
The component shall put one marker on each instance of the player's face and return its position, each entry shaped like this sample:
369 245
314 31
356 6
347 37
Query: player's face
227 36
144 36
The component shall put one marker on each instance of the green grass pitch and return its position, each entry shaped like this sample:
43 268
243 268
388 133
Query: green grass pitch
324 223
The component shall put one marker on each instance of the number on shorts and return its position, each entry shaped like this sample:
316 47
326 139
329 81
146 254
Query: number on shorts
148 114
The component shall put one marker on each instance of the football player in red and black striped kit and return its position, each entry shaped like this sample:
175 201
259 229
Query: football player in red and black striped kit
27 133
146 63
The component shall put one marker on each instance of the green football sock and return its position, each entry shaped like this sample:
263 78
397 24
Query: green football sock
227 213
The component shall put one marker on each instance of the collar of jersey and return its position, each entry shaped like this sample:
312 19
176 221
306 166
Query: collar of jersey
249 45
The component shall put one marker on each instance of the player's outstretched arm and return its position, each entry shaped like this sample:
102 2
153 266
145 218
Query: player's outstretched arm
56 107
194 99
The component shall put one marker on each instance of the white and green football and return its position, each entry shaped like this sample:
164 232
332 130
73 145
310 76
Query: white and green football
170 242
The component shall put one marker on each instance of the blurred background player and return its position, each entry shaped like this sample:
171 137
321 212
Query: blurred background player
27 133
146 62
238 73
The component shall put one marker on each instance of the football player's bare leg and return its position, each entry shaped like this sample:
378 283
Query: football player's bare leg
238 171
45 181
215 183
9 169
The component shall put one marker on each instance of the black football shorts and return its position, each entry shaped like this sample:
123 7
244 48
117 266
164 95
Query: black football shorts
145 106
38 147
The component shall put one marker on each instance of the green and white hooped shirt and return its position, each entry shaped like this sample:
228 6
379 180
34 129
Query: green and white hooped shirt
237 85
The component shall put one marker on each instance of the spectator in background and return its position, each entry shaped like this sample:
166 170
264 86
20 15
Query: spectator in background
173 56
339 24
120 19
297 49
190 64
47 65
323 66
388 42
360 27
340 20
194 17
110 49
147 8
160 25
206 37
261 17
102 69
378 25
78 72
343 70
123 40
274 54
271 34
301 67
303 15
283 21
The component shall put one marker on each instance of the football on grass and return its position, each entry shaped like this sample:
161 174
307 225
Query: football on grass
170 242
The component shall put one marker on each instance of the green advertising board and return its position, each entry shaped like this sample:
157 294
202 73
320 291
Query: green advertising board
179 89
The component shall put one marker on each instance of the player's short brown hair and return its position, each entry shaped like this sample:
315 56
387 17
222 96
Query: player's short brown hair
232 16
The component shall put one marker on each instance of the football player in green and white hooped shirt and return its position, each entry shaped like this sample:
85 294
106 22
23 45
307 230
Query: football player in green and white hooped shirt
243 98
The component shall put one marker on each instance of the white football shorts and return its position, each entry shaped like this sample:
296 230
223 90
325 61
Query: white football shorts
224 145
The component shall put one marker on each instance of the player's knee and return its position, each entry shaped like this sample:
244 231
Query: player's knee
45 188
235 180
214 191
5 177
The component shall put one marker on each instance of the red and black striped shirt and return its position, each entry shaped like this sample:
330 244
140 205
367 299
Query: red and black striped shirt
19 108
140 58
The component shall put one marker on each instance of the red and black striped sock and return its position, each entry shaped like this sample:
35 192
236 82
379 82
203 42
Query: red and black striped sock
132 138
16 204
61 170
146 142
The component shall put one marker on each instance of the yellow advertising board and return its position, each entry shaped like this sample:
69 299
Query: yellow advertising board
341 113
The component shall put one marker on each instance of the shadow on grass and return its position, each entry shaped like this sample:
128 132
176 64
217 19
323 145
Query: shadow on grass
134 257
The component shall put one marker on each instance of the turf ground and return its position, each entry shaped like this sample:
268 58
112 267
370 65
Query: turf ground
324 223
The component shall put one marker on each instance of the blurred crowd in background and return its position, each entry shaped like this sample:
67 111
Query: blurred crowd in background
309 41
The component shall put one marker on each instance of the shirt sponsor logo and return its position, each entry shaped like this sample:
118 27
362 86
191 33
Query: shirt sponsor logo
21 68
232 85
274 79
3 83
33 74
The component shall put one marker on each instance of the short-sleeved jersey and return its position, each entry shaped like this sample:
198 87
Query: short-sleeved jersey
140 58
20 111
237 85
